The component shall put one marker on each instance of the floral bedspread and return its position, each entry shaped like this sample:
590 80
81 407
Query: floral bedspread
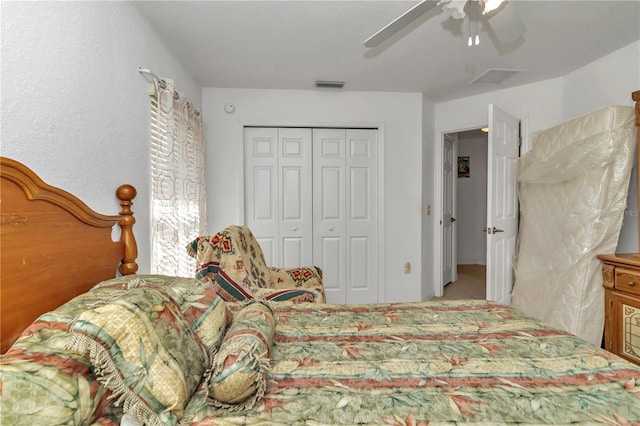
431 363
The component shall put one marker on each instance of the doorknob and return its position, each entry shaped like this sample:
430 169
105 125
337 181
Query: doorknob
453 219
493 230
295 228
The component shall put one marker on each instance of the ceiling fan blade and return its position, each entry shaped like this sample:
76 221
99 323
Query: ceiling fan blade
400 22
506 24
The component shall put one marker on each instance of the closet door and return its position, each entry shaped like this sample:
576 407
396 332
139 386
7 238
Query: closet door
278 199
295 227
345 213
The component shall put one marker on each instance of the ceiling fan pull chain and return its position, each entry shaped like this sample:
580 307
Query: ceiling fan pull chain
477 24
470 41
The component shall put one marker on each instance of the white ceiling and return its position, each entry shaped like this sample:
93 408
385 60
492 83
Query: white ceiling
290 44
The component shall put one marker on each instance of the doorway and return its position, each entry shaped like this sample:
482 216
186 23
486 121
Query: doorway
503 148
471 215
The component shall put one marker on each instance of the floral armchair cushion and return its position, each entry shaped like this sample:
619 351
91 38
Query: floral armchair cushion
234 260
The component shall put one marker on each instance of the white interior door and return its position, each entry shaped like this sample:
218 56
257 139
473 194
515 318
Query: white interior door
261 188
296 212
278 179
362 217
502 203
329 211
449 262
345 213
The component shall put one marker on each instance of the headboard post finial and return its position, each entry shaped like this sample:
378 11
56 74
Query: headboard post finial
126 193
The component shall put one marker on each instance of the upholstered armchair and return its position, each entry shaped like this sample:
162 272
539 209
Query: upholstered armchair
233 260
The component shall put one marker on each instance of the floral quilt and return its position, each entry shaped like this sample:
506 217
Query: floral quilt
430 363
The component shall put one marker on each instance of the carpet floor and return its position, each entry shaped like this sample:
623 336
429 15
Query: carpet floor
471 284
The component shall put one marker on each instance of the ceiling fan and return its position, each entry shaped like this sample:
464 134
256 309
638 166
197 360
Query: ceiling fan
505 22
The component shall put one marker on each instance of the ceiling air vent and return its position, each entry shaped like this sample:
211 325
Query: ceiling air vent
494 75
325 84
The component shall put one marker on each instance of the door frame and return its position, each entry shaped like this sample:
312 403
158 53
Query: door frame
438 287
379 126
438 204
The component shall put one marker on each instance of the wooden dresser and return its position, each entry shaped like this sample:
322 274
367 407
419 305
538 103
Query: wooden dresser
621 273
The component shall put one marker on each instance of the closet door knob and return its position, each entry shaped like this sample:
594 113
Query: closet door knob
331 228
295 228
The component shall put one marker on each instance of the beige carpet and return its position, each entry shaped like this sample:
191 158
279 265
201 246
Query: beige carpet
471 284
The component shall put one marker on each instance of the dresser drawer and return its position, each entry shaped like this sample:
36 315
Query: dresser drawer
627 280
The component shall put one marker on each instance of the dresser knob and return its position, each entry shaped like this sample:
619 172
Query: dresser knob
631 283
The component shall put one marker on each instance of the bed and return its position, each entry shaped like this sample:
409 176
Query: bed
448 362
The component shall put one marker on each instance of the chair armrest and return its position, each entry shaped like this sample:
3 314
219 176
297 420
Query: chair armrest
306 277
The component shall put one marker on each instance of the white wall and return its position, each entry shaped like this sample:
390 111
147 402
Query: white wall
609 81
428 114
74 107
538 104
471 207
399 116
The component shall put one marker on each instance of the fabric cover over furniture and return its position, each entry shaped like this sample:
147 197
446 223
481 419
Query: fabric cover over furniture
572 188
233 260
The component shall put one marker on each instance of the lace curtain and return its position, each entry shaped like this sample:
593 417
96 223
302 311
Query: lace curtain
178 192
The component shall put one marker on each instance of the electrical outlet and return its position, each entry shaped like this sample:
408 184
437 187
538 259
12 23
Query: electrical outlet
428 209
407 268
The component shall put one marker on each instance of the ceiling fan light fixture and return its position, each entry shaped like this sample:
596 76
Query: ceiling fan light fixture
491 5
507 32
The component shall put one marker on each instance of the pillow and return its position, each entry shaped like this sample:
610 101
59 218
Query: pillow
200 304
238 378
203 308
143 349
43 383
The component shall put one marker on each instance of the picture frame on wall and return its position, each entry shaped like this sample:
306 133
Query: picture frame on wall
463 167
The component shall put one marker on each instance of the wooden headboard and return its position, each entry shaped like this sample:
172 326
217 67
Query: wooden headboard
53 247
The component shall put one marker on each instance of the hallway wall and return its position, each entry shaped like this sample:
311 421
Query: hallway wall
471 197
